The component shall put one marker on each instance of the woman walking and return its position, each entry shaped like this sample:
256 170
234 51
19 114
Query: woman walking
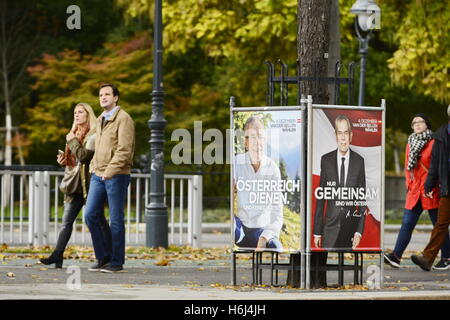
76 157
417 162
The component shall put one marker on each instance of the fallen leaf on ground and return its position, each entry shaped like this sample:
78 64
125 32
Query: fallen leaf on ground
404 289
163 262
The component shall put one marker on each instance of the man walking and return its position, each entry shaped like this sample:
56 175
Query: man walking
111 168
438 174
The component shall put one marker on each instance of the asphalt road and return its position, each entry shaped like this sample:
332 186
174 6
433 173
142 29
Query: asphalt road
22 277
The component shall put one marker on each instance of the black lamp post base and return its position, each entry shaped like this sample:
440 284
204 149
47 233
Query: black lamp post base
156 222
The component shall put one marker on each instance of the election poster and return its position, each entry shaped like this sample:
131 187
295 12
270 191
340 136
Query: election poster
267 171
346 180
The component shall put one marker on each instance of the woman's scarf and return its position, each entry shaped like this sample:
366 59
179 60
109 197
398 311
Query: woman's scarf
80 134
416 143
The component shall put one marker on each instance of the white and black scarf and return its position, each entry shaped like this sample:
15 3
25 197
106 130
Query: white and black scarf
416 143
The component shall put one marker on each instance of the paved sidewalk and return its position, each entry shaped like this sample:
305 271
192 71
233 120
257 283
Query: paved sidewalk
208 279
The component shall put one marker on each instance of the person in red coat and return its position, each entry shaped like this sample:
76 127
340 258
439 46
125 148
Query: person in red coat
417 163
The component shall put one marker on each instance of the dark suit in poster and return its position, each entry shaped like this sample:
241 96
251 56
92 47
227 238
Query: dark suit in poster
337 224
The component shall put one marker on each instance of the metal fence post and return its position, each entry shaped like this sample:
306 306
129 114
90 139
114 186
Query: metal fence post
190 221
2 209
31 209
197 210
41 207
37 209
45 207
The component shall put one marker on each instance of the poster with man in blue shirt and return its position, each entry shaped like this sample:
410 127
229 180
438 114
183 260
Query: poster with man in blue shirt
266 180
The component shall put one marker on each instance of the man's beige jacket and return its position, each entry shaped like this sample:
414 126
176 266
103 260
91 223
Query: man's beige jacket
114 145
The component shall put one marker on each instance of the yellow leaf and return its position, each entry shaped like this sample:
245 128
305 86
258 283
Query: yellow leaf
404 289
163 262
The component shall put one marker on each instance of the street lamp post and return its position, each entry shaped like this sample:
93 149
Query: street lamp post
367 18
156 212
363 51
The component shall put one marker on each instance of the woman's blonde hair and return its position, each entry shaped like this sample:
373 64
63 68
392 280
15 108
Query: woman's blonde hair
92 118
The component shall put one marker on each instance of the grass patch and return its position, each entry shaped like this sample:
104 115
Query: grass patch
395 216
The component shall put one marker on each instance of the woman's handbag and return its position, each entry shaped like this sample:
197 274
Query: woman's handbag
71 182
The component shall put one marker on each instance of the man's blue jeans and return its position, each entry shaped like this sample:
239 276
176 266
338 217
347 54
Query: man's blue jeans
115 192
410 218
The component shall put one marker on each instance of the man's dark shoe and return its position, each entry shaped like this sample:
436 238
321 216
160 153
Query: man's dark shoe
392 260
111 269
443 264
421 262
99 265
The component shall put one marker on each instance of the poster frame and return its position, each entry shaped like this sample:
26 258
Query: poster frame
310 128
302 144
306 106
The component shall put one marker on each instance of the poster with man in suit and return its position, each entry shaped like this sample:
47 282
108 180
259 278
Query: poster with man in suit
346 180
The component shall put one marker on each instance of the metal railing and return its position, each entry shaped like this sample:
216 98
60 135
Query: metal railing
32 206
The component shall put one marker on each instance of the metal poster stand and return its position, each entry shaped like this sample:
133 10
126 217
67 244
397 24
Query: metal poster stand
305 267
358 262
306 105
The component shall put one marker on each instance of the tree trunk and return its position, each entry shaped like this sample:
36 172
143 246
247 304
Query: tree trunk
398 169
335 46
8 122
4 67
313 42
